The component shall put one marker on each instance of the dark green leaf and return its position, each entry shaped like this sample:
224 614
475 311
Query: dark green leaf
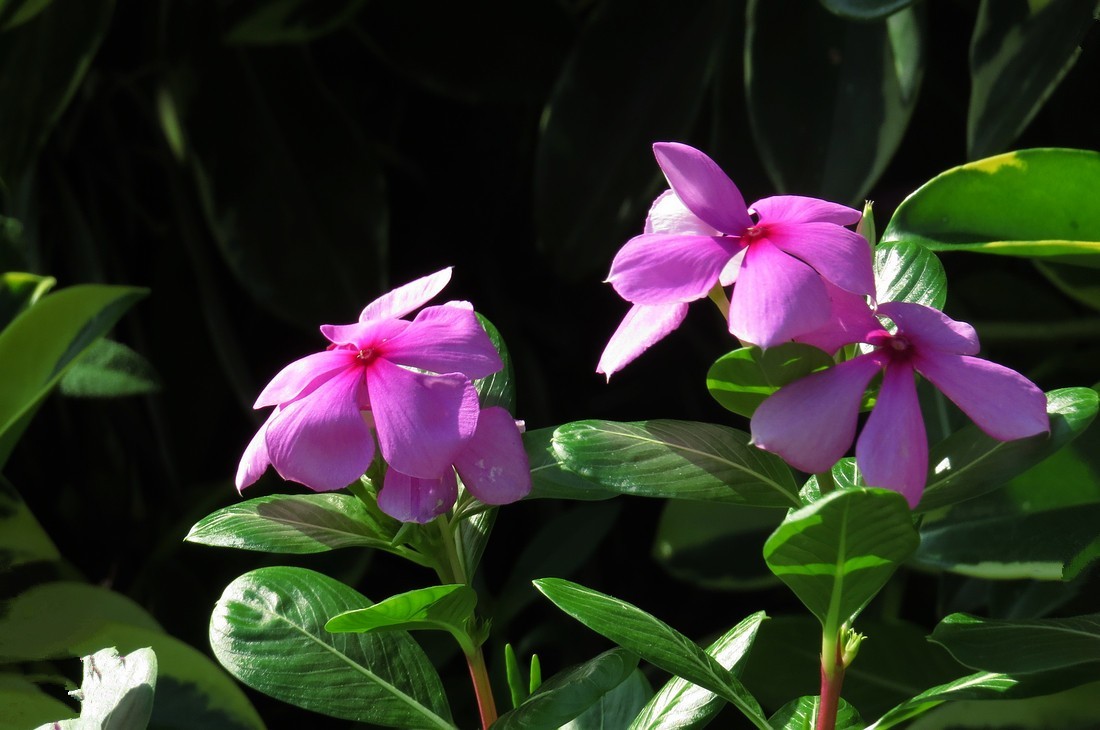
25 705
268 631
801 714
907 272
18 291
299 523
675 459
1018 55
742 379
289 21
474 534
615 97
969 463
1020 647
1075 708
440 608
117 691
568 694
109 369
1078 282
865 9
16 12
551 480
652 639
498 389
838 552
616 708
861 80
22 538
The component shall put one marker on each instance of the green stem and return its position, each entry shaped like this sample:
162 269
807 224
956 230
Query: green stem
825 483
718 296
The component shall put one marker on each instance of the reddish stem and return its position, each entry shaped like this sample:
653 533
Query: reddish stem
479 675
830 691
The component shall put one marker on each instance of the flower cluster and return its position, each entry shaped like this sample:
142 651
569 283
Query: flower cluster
405 385
799 275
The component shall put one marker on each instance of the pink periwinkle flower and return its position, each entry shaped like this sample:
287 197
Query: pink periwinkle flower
778 255
811 422
408 383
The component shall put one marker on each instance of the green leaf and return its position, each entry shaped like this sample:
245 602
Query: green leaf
969 463
686 706
652 639
1020 647
801 714
18 291
441 608
17 12
1075 708
551 480
675 459
861 80
44 341
299 523
1018 56
268 631
52 52
613 98
1032 203
616 708
22 538
117 691
865 9
474 534
288 21
1077 282
25 705
837 553
569 693
907 272
109 369
498 389
742 379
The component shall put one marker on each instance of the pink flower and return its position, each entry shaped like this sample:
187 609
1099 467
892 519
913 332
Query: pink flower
811 422
406 382
493 466
700 234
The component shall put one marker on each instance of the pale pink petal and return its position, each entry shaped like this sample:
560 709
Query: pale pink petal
728 275
302 376
364 335
1003 403
412 499
494 465
422 420
658 268
776 298
668 214
643 326
405 299
931 329
799 209
255 460
811 422
445 339
703 187
892 451
841 256
850 321
321 440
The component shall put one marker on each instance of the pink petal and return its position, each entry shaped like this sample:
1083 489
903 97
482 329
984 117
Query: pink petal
776 298
841 256
728 275
703 187
364 335
494 466
411 499
799 209
255 460
1003 403
405 299
892 451
321 440
423 421
643 326
660 268
850 320
445 339
812 421
303 376
668 214
931 329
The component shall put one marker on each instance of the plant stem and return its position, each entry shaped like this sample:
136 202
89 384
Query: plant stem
832 677
483 691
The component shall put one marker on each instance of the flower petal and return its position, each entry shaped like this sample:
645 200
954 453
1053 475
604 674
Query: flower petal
812 421
643 326
302 376
494 465
364 335
405 299
422 420
800 209
841 256
321 440
892 451
1003 403
850 320
255 460
411 499
668 214
703 187
776 298
445 339
660 268
931 329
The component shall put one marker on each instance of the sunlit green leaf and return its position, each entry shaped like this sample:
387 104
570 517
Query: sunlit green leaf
498 389
117 692
907 272
19 290
801 714
616 708
441 608
742 379
550 479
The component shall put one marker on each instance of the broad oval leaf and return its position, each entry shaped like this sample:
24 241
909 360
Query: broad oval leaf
742 379
908 272
1035 203
1020 647
442 608
837 553
1019 53
117 691
267 629
652 639
25 705
860 78
549 477
801 714
676 460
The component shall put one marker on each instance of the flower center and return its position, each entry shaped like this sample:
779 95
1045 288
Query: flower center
895 346
752 233
366 355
